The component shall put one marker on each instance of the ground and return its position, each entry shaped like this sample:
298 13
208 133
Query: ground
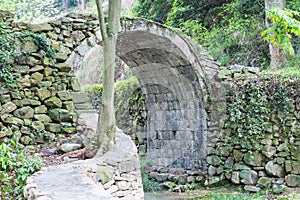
51 157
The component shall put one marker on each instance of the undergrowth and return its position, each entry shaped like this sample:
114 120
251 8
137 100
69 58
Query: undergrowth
16 165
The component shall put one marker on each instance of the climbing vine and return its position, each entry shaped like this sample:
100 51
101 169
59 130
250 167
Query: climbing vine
9 53
255 106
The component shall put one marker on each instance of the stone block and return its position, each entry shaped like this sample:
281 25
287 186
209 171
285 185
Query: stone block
40 109
65 95
292 180
251 188
127 166
213 160
235 178
42 117
248 177
8 108
40 27
274 169
264 182
268 151
54 128
53 102
43 93
253 158
212 170
105 173
24 113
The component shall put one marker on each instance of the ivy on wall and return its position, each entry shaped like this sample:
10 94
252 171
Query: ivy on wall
258 106
8 52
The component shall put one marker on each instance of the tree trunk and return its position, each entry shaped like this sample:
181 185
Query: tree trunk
65 5
83 5
106 127
278 56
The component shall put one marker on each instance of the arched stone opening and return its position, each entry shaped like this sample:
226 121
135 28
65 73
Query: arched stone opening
176 123
174 74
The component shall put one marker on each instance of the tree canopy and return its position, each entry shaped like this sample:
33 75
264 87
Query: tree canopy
229 29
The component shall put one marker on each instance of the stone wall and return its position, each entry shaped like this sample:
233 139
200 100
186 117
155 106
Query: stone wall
172 69
40 106
273 160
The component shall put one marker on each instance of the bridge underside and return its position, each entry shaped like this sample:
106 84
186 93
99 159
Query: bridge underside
176 124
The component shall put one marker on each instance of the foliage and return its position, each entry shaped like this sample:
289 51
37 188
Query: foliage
221 196
16 166
229 29
149 185
128 96
252 104
286 23
31 10
8 52
289 71
153 9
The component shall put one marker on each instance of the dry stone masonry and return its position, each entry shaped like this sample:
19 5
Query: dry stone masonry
172 70
185 103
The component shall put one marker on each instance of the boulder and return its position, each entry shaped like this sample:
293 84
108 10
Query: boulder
37 68
74 84
26 140
36 77
27 102
69 130
67 147
64 67
68 105
40 27
235 178
268 151
212 170
14 121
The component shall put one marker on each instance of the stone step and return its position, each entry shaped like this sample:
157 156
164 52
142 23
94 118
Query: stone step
80 97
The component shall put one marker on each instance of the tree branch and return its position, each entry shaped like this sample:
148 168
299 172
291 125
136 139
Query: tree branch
101 20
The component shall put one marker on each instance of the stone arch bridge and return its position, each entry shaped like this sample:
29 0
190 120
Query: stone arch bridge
174 72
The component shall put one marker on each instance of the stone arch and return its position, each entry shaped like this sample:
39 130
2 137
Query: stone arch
173 71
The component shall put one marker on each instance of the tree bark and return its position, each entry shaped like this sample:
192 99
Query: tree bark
278 56
106 127
83 5
65 5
